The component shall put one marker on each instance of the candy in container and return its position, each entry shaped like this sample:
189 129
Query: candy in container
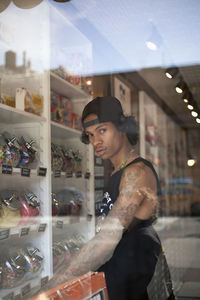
34 261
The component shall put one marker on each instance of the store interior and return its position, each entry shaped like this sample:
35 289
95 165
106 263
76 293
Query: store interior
55 57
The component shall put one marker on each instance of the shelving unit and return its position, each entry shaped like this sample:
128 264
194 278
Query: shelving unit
44 230
39 128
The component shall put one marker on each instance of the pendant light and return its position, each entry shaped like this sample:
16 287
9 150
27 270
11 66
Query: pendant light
181 87
26 4
4 4
171 72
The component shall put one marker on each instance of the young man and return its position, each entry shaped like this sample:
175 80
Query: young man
126 246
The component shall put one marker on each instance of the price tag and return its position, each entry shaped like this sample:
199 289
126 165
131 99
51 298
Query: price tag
42 227
79 174
24 231
25 172
4 234
57 173
8 296
6 169
42 172
44 281
87 175
59 224
69 174
26 290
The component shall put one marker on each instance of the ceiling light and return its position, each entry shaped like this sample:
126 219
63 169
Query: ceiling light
89 82
190 106
171 72
198 120
152 46
181 87
155 40
27 4
61 0
191 162
187 96
4 4
194 113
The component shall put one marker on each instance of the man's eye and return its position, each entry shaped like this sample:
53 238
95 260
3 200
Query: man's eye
88 134
102 130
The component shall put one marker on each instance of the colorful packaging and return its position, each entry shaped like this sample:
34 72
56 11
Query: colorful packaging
8 100
32 103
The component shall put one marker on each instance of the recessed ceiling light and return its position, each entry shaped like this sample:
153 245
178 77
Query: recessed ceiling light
194 114
191 162
171 72
190 106
198 120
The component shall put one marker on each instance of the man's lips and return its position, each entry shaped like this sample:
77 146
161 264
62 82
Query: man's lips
100 151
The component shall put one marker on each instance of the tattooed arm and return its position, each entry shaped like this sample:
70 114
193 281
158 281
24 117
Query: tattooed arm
137 197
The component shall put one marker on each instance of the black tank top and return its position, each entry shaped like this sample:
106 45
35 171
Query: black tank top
112 190
132 264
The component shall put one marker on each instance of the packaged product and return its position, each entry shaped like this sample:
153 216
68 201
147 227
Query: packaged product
12 272
29 102
28 154
29 207
9 209
10 150
56 111
57 158
7 100
34 261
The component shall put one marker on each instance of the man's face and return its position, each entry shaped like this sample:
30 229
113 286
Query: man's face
104 137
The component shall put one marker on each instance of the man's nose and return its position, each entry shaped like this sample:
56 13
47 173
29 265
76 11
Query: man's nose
96 140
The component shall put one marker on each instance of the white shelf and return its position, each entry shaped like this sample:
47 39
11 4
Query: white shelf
11 115
17 171
32 223
65 88
67 220
61 131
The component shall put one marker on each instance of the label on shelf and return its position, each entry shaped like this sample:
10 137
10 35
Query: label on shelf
25 172
78 174
42 171
69 174
57 173
42 227
44 281
59 224
6 169
24 231
4 234
26 290
8 296
87 175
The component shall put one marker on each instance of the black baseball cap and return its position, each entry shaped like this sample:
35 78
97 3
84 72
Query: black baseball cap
107 109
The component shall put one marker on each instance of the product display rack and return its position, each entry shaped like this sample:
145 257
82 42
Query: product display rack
46 230
43 231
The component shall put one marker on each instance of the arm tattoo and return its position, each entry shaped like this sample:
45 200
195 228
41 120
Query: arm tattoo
92 255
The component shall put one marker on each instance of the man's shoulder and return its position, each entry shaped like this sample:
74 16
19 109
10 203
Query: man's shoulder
139 170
